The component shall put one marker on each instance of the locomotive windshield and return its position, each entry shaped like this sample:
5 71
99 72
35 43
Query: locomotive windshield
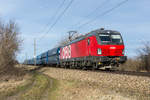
116 39
110 38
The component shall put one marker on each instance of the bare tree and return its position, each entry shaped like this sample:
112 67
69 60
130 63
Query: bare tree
144 56
9 45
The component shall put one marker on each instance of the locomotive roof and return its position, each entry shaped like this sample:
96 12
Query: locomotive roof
105 31
94 33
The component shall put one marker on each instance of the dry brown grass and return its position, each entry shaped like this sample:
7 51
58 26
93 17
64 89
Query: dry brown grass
131 65
14 85
14 73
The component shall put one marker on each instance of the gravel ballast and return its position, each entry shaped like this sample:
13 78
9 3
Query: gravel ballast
103 84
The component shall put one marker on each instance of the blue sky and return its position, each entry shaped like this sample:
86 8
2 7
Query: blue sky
132 19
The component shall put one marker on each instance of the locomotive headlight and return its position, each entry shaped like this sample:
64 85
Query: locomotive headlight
99 51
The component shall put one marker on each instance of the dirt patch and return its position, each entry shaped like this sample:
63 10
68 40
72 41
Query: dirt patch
13 85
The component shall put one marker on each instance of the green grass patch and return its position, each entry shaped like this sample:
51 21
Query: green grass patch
52 92
39 86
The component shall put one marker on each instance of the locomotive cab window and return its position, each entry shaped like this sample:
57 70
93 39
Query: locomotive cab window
104 38
110 38
116 38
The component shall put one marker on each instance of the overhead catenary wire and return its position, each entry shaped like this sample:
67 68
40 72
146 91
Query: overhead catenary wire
103 14
58 18
93 11
54 16
97 8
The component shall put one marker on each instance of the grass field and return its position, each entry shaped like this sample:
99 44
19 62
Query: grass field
64 84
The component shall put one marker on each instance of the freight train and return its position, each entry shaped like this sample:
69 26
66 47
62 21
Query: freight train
96 49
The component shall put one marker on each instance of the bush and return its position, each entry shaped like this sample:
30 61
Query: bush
131 65
144 56
9 46
142 62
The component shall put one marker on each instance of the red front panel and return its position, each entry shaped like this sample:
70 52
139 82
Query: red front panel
107 50
110 50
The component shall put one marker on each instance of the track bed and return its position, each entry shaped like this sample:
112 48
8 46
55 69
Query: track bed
95 85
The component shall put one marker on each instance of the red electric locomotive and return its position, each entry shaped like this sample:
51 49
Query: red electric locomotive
99 48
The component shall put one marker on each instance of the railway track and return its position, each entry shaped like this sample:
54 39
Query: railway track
147 74
112 71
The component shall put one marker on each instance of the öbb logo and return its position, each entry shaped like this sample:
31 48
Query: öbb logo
66 52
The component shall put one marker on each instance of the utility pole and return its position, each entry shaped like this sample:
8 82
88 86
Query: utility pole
71 33
26 59
34 51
